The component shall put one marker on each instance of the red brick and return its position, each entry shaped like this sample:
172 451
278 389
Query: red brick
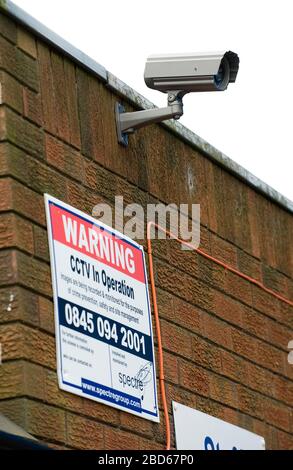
216 330
177 171
286 314
275 280
54 396
45 422
223 251
244 345
27 70
249 265
96 176
259 427
195 182
27 202
71 103
58 96
41 249
271 357
158 178
83 433
47 90
180 395
8 267
246 422
64 158
3 152
281 388
21 342
234 367
255 323
188 288
228 309
218 199
15 410
46 313
171 368
26 42
11 378
34 381
212 209
116 439
122 161
265 302
185 315
194 378
6 194
257 378
176 339
18 64
165 304
136 425
187 261
89 105
19 304
231 200
33 274
238 288
15 232
206 354
223 390
231 416
32 106
283 242
205 244
277 415
82 198
250 402
209 406
145 444
160 248
22 133
279 335
8 28
239 214
10 92
99 411
285 441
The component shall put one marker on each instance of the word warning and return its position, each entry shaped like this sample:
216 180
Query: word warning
104 338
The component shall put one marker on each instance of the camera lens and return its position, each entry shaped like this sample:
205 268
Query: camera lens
220 75
223 75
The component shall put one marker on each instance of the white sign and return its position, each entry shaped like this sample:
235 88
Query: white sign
103 324
195 430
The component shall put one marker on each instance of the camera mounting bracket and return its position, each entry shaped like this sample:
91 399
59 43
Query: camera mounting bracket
127 123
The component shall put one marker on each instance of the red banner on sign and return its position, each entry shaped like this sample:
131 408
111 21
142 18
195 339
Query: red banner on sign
96 242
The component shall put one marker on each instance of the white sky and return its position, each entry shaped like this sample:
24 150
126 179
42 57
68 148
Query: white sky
252 121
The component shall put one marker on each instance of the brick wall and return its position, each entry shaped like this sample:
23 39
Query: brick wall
225 341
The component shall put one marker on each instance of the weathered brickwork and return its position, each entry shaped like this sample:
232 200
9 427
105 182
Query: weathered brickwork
225 340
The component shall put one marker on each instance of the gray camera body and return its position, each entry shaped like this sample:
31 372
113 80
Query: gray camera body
176 75
204 71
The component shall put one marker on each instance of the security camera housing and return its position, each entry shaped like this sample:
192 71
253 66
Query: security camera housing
191 72
177 74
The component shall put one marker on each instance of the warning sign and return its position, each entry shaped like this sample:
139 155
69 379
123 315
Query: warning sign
103 325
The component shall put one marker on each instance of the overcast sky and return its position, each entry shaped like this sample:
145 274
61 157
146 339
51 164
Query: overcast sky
252 121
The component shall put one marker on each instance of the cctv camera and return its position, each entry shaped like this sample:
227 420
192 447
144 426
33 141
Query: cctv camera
191 72
177 74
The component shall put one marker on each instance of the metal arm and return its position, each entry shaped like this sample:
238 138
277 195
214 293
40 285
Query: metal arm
127 123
